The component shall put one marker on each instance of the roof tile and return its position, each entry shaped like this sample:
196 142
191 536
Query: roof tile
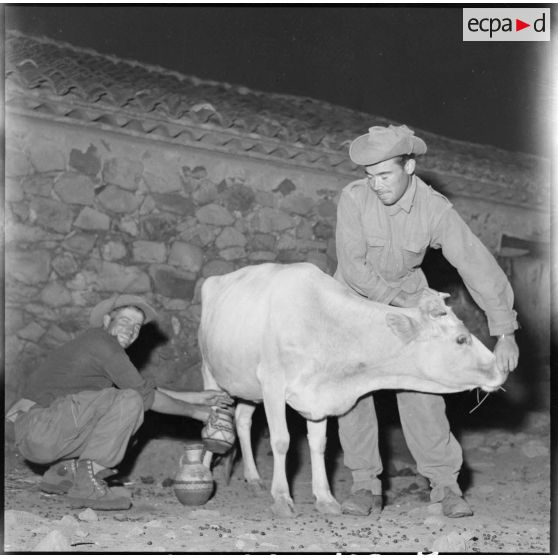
131 95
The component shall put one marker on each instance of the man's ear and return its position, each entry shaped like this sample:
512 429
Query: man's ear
403 326
410 166
106 321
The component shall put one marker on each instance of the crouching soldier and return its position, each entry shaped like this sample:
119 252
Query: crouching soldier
86 400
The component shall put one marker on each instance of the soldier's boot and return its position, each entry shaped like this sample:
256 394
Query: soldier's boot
91 491
59 478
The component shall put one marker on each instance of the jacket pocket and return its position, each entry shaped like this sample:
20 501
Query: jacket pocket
413 252
374 248
376 242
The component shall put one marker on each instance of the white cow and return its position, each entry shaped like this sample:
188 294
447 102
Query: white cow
293 334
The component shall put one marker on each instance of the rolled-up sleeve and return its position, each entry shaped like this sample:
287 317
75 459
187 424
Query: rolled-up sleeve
484 278
351 247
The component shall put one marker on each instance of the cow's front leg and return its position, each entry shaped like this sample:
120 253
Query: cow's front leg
243 419
274 403
325 502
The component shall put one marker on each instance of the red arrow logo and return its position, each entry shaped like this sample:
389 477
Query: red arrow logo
519 25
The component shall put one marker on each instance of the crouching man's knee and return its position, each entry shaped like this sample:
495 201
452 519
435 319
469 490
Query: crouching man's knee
36 447
131 405
131 399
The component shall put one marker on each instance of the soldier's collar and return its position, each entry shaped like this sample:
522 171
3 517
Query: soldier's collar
407 199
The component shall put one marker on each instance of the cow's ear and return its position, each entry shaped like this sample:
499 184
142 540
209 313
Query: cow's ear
403 326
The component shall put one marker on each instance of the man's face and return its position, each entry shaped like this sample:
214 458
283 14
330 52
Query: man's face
389 179
124 324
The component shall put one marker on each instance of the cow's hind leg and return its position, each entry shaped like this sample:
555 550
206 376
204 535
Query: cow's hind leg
274 403
325 502
243 419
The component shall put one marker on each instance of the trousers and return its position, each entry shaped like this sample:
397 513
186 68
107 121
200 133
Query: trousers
426 429
95 425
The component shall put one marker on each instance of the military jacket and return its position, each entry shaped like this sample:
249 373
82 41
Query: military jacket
380 249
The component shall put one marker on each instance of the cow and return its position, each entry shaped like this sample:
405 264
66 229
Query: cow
291 334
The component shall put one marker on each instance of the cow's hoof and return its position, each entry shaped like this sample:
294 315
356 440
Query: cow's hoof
329 508
256 487
283 508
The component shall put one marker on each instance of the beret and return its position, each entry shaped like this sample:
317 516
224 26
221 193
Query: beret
381 144
120 301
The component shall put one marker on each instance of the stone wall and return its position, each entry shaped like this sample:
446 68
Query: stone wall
90 213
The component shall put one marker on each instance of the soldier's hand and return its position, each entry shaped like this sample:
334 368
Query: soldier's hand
506 352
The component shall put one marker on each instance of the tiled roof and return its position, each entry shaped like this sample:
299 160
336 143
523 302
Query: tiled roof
51 78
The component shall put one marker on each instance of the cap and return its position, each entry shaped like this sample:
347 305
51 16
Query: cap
381 144
120 301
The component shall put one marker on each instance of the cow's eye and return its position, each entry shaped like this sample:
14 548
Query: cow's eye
462 339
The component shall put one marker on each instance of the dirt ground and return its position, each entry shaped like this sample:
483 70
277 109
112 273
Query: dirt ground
506 479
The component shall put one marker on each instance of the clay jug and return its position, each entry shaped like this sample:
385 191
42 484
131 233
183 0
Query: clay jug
193 484
218 434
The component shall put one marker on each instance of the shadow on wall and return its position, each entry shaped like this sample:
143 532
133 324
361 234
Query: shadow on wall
149 338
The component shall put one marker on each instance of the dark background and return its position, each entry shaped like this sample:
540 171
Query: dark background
407 63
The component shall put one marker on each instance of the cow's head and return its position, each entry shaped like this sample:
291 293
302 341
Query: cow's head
443 349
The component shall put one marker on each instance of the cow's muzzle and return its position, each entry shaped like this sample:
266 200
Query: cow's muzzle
496 378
